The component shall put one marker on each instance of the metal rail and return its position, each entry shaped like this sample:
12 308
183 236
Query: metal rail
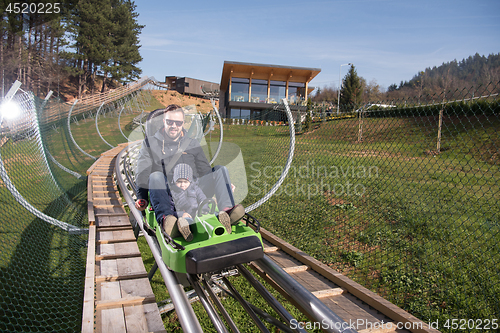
185 312
318 311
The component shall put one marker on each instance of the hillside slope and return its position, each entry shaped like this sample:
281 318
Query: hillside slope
173 97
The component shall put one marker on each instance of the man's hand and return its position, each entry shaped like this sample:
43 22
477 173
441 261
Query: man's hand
186 216
141 204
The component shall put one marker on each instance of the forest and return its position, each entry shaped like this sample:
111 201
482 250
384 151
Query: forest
90 45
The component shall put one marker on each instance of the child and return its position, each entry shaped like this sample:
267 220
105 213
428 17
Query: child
187 195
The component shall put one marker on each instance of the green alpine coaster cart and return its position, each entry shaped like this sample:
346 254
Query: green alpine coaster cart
212 248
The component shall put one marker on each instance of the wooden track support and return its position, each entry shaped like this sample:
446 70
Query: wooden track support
118 296
352 302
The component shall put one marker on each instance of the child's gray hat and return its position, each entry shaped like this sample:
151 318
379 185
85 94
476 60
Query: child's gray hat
184 171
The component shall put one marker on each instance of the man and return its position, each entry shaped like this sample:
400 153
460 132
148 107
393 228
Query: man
158 156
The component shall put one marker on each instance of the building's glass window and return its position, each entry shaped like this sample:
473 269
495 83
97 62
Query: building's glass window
245 114
277 91
259 91
239 89
237 113
256 114
296 92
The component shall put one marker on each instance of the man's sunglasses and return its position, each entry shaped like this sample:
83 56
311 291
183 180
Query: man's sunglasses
177 123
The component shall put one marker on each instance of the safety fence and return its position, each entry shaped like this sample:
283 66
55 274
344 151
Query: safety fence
46 146
401 196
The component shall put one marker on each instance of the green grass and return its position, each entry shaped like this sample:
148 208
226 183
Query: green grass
422 231
41 266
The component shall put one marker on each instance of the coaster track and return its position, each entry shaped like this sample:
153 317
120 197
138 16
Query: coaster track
330 300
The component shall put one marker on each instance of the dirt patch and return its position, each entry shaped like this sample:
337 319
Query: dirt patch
173 97
334 201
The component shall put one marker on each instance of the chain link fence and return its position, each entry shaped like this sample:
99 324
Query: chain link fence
46 147
399 195
402 196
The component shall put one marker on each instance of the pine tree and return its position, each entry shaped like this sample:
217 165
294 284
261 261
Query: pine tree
124 51
350 94
91 26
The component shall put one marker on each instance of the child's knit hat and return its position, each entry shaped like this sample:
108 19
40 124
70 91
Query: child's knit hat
184 171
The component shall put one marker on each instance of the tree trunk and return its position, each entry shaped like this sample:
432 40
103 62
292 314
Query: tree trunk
2 62
29 49
19 58
103 89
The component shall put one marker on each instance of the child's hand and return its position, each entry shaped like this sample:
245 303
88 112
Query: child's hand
186 216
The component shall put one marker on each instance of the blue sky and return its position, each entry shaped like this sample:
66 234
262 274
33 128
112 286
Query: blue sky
388 41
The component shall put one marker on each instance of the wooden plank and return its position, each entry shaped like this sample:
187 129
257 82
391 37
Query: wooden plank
105 206
351 309
130 266
127 227
126 301
296 269
88 298
110 278
109 195
111 191
112 320
313 281
110 241
329 292
106 251
121 269
115 256
283 259
119 236
109 210
270 249
153 317
384 306
90 202
108 267
137 287
135 320
99 185
113 220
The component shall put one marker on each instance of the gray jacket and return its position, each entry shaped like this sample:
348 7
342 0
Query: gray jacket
188 200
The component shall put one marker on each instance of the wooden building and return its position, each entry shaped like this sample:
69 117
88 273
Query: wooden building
246 88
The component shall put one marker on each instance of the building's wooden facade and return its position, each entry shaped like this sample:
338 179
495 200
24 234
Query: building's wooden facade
246 88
